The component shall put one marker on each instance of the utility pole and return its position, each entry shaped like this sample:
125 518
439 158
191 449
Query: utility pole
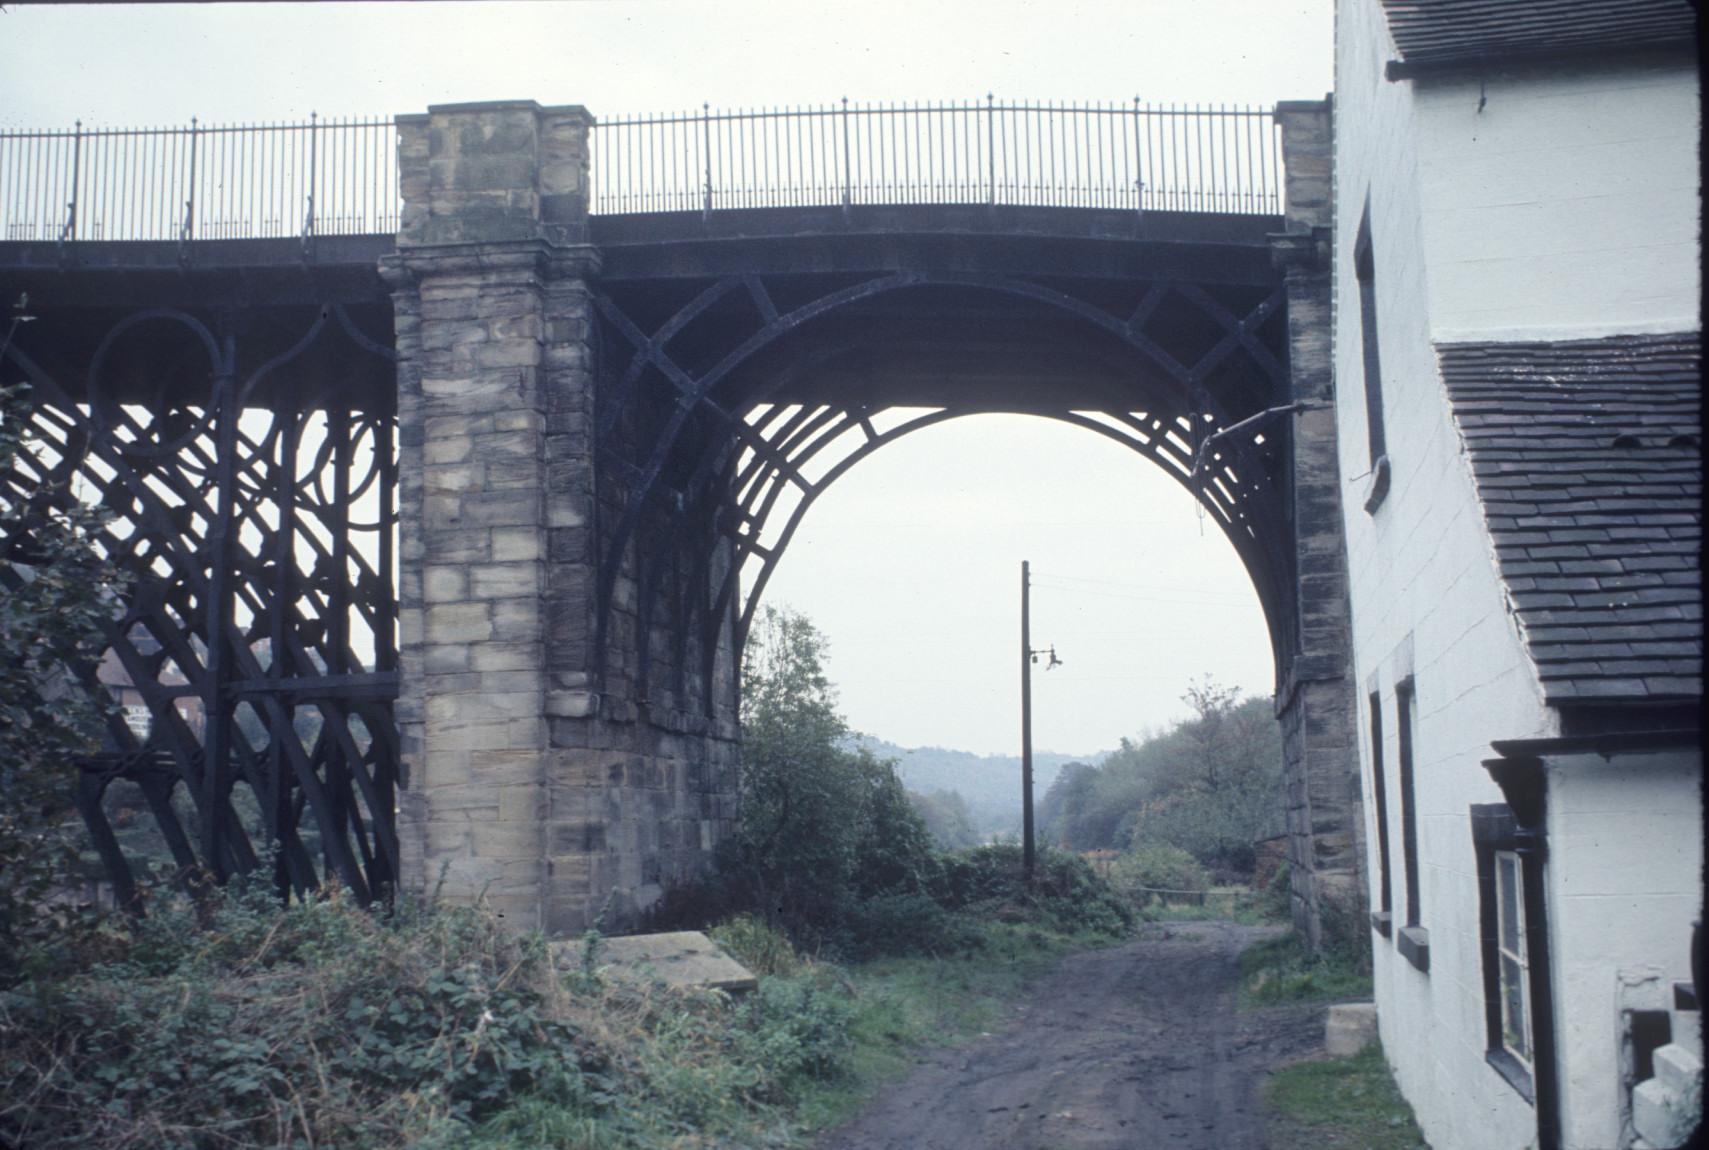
1028 658
1026 726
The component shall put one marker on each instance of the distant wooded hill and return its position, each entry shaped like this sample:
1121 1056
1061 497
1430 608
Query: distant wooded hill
990 784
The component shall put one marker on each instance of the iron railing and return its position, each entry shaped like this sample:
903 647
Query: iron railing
325 177
1125 156
339 177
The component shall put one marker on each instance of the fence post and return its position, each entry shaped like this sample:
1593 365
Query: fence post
847 173
1138 162
188 231
69 231
706 156
309 214
991 145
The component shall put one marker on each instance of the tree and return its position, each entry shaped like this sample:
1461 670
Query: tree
1225 790
55 598
947 819
1209 785
821 826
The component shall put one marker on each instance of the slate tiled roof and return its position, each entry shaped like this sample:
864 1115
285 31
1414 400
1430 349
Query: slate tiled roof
1588 461
1454 31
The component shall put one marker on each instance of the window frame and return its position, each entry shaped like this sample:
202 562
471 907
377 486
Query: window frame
1371 361
1412 939
1383 918
1514 954
1494 838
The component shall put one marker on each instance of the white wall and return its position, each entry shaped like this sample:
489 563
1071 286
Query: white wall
1426 602
1567 208
1625 858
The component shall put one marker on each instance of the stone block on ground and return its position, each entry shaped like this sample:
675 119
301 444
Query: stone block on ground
677 958
1351 1027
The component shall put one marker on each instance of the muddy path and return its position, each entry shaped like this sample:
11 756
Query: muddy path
1137 1047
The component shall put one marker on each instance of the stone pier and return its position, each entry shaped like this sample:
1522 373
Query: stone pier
564 804
1315 701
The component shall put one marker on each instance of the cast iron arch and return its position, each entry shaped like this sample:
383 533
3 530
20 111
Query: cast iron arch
705 476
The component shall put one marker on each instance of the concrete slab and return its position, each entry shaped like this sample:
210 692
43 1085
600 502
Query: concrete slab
1351 1027
676 958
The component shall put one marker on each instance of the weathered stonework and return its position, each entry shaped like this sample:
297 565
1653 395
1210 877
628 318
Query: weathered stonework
1316 702
528 783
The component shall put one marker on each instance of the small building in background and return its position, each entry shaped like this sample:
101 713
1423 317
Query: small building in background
1101 861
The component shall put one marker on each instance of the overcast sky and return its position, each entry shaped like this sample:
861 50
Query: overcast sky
911 562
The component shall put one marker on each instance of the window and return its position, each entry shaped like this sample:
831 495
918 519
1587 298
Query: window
1510 951
1364 270
1380 800
1414 941
1506 961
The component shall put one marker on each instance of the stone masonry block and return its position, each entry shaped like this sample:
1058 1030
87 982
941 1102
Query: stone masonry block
517 545
450 449
521 803
502 509
481 706
500 474
445 584
570 704
449 659
505 580
459 623
508 654
469 736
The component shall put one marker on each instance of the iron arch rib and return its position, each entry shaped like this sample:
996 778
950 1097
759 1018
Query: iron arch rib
703 460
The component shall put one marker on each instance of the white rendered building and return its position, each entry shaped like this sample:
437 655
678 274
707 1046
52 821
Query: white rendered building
1517 363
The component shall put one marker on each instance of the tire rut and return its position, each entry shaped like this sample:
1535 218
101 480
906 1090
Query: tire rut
1135 1046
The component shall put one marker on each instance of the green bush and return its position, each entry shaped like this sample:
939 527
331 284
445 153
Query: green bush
796 1029
903 924
1155 866
1066 894
757 945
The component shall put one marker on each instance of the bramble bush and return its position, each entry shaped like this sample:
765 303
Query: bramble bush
248 1024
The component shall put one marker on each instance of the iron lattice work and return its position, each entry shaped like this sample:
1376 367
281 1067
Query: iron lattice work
713 463
252 645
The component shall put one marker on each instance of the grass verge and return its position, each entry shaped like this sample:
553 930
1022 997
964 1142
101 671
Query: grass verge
1339 1104
1281 970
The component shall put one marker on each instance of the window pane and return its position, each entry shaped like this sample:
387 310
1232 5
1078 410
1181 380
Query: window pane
1513 1008
1507 899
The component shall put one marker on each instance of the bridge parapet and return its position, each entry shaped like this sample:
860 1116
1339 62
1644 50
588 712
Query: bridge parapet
342 177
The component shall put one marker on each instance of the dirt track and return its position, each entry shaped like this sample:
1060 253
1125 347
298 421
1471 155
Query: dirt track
1136 1047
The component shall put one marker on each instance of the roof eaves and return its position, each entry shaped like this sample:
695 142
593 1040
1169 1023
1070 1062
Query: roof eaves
1476 63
